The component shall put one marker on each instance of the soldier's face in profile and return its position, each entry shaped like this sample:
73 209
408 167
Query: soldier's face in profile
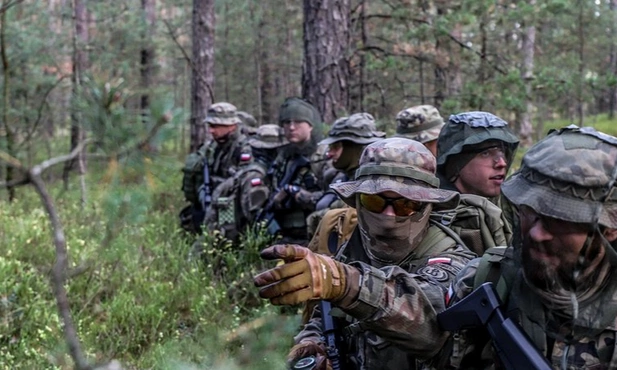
220 132
551 249
297 131
335 150
484 174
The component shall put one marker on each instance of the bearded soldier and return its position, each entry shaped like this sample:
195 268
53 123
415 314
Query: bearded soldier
558 279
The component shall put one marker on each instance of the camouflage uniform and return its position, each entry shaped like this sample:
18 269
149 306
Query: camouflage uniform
569 175
249 190
385 308
421 123
354 132
225 160
295 199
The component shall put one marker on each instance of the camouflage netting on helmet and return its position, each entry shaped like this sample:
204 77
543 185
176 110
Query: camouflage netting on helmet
400 165
268 137
358 128
222 114
569 175
422 123
464 131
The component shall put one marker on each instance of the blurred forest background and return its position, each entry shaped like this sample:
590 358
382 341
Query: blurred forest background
101 100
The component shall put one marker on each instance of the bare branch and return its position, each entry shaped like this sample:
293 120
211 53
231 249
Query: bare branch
188 58
38 169
465 46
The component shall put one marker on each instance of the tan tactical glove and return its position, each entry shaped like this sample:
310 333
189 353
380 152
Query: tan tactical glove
303 350
304 276
280 198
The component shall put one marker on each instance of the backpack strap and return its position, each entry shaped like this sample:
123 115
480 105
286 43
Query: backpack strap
489 270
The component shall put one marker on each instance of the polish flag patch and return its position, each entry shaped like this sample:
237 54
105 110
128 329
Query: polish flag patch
449 294
256 181
245 157
436 260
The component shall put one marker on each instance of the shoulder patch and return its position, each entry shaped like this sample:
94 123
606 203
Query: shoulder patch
256 181
434 273
245 157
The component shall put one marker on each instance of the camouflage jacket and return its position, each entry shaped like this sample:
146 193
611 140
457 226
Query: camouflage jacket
292 213
388 326
225 159
589 343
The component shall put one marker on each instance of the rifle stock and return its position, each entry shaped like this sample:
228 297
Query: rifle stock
482 308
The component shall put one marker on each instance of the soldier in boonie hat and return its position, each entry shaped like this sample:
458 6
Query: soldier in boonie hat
248 122
393 257
268 137
421 123
399 165
222 114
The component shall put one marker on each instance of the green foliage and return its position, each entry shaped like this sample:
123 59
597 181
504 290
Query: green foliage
136 294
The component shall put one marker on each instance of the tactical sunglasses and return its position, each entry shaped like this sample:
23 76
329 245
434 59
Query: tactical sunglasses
402 206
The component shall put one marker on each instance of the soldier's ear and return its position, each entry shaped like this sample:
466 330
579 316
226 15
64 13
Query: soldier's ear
610 234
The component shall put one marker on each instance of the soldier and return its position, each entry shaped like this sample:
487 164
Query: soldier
249 189
296 186
421 123
346 140
559 276
249 123
474 153
390 278
224 155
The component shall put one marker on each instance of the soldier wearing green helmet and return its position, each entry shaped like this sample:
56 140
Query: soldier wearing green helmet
474 153
558 279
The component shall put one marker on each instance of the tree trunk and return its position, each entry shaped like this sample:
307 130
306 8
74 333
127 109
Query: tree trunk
202 68
612 90
267 93
80 65
10 135
148 8
325 71
529 40
580 108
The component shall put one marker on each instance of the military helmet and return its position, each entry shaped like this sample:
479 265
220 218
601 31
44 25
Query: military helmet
464 132
358 128
298 109
421 123
569 175
400 165
222 114
247 119
267 137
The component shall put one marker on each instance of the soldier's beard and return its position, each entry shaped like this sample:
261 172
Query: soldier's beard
558 285
389 240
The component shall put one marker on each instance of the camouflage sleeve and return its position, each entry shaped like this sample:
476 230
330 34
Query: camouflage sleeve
463 284
310 191
254 194
402 307
242 156
311 332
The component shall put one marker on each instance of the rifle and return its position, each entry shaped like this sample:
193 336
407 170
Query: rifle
267 214
483 308
329 338
205 190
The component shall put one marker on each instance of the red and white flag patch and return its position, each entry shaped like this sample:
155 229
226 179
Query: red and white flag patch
245 157
256 181
436 260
